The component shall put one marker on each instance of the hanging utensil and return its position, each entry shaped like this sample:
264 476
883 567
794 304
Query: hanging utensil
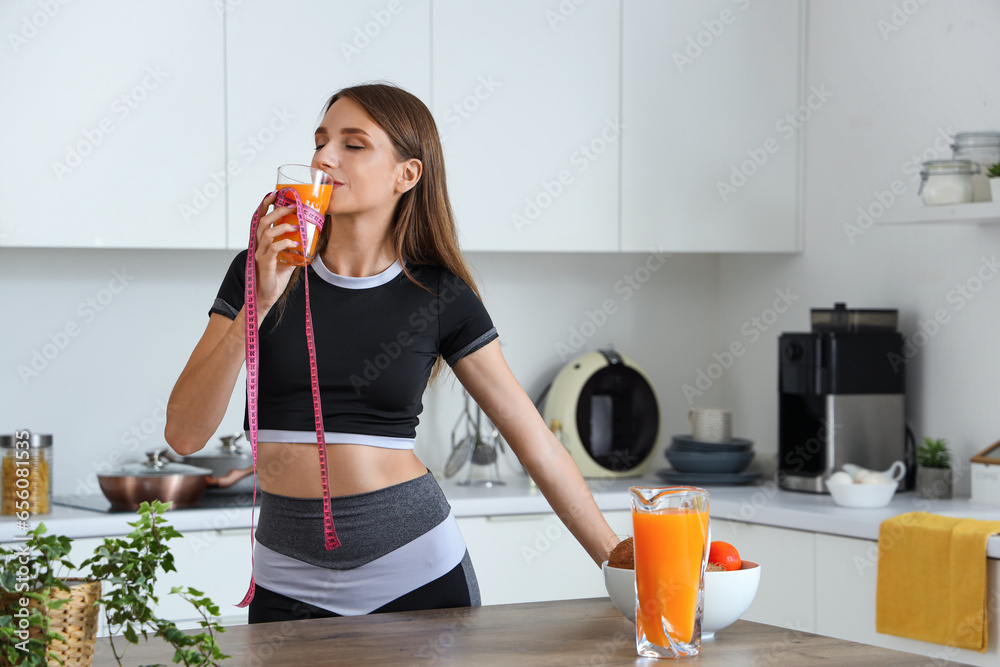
462 450
485 451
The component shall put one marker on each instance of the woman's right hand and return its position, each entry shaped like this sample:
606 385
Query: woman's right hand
272 275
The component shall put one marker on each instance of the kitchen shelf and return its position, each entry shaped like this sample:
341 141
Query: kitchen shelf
979 213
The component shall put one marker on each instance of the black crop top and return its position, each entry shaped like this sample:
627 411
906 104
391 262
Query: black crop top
376 337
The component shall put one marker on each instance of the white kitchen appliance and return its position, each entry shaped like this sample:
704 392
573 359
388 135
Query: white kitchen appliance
604 410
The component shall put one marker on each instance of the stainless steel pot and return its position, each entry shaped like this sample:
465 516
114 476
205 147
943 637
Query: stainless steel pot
154 479
231 466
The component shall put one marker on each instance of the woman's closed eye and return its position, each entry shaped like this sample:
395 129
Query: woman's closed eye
318 147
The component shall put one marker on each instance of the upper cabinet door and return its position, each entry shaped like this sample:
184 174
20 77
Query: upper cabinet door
526 98
284 61
112 121
712 109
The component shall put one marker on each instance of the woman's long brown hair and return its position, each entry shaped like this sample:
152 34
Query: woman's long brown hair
423 225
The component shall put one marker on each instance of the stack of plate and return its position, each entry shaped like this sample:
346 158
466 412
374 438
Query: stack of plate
696 462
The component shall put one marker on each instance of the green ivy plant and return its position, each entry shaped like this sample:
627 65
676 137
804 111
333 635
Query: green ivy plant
30 572
934 453
129 567
994 171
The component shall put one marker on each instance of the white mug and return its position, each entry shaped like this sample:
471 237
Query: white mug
711 424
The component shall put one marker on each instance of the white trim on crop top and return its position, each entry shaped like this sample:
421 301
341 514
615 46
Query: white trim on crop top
334 437
352 282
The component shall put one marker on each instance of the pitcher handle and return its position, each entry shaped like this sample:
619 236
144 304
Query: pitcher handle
896 471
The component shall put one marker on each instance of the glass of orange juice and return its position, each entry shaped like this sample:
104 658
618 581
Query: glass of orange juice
314 187
670 533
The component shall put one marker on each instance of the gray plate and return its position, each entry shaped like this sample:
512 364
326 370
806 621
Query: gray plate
695 478
709 462
689 444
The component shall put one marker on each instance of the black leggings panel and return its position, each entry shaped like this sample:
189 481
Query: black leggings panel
448 590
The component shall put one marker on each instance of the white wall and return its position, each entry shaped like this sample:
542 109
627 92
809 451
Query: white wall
102 393
892 98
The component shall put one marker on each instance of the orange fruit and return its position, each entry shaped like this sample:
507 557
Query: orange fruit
724 554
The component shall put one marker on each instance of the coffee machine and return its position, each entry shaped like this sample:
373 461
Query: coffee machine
841 398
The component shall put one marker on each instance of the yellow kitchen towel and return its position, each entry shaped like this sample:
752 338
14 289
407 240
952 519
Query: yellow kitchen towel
932 579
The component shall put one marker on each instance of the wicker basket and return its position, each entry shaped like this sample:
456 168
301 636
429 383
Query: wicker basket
76 620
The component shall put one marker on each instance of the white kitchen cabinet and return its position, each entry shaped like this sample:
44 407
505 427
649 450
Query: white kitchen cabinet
533 557
712 103
846 578
117 119
526 97
215 562
283 62
786 596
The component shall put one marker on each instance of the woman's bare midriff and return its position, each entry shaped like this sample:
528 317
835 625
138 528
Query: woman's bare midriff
292 469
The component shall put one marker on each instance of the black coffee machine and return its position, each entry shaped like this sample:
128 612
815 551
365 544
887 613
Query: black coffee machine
841 398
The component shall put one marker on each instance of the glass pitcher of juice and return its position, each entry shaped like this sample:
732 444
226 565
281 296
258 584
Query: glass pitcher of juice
670 533
314 187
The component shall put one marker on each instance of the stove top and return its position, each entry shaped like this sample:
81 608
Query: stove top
98 503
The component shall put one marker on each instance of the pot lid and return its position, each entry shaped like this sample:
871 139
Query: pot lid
229 449
156 466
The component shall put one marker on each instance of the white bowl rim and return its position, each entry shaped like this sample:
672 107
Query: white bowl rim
753 565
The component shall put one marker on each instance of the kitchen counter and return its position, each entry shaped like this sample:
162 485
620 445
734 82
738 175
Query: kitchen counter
565 632
761 504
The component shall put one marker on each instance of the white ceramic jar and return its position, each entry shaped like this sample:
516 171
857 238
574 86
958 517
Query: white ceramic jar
945 182
983 148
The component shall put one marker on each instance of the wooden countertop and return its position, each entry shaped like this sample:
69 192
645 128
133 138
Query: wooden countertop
567 632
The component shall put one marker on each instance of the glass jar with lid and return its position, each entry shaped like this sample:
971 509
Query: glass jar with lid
983 148
25 474
946 182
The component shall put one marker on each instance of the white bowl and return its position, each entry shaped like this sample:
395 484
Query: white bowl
862 495
727 594
621 589
727 597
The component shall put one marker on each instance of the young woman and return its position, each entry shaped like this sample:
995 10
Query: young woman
388 279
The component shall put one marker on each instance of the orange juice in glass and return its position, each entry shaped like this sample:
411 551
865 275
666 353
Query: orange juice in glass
314 187
670 533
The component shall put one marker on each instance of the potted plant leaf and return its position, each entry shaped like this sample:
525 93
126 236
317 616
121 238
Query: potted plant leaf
994 176
934 474
44 616
128 568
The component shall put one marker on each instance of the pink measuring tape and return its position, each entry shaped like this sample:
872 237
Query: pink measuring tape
305 214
